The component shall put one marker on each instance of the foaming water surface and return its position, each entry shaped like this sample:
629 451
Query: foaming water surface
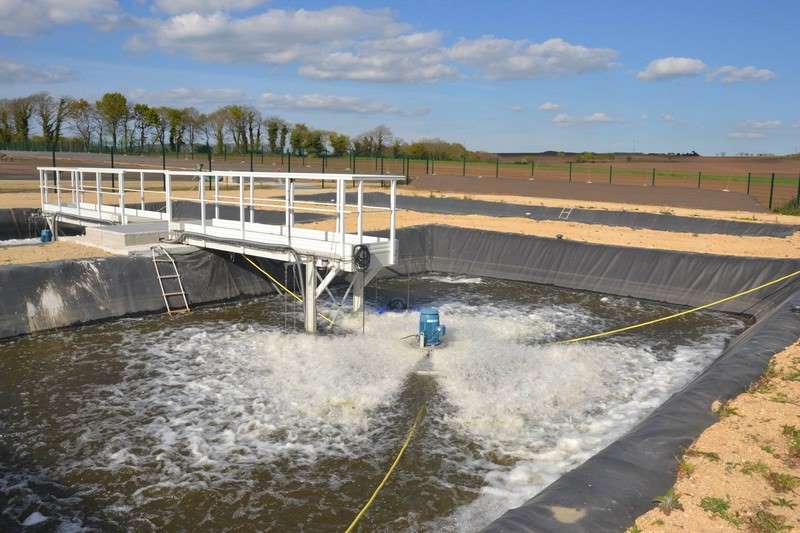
229 419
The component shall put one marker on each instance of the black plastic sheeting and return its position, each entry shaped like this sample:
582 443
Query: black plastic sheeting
618 484
17 223
42 296
654 221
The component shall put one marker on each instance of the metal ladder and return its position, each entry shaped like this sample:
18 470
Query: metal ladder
565 213
170 283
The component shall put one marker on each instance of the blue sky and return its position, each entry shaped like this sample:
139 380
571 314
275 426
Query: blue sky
671 76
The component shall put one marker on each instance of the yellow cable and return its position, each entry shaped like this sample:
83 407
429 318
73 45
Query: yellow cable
369 503
282 286
682 313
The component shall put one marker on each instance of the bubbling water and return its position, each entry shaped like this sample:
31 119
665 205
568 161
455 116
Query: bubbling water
223 420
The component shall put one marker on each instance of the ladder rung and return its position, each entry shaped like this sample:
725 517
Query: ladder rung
168 276
173 294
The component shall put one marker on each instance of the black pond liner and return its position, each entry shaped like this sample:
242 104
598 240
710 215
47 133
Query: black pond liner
609 490
630 219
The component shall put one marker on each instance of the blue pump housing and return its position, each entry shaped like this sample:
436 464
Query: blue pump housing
430 331
46 235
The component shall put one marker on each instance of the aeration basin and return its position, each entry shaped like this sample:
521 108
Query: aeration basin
230 418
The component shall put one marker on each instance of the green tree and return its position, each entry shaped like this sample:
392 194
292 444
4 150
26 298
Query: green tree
82 116
340 143
273 128
314 143
140 115
284 132
113 109
21 111
298 138
6 124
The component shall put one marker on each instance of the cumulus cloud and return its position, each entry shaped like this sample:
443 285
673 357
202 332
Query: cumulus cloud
672 67
666 117
186 97
746 135
762 124
27 17
176 7
11 72
564 120
325 102
499 58
549 106
729 74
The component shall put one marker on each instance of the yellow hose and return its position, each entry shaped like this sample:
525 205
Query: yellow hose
367 505
682 313
282 286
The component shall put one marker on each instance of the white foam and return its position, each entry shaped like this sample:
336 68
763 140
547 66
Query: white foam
20 242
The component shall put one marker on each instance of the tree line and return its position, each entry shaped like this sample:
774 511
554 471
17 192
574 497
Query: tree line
115 122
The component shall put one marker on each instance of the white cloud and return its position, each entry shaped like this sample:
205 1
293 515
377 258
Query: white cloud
549 106
185 97
729 74
671 67
746 135
666 117
378 67
27 17
564 120
275 36
11 72
499 58
176 7
517 108
324 102
762 124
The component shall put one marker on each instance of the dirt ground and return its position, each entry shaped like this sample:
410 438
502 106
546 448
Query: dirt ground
41 253
593 233
743 473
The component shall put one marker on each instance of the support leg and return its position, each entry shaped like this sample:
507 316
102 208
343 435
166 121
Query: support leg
310 302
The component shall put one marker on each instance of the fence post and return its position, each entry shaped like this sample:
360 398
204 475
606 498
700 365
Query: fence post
381 165
427 165
112 156
797 200
699 177
208 150
771 189
54 155
497 168
748 184
570 171
463 165
433 165
251 160
533 167
354 163
289 159
610 172
653 181
408 167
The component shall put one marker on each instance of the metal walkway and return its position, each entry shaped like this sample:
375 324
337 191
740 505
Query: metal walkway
85 197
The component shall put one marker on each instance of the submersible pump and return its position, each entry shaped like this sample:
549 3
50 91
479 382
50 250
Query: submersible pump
430 331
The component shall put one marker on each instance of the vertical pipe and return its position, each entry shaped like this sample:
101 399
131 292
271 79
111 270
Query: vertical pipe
168 195
570 171
533 164
99 195
58 189
289 158
241 206
341 216
771 190
203 204
252 201
653 180
353 166
381 164
291 204
392 220
748 184
216 196
427 165
251 160
497 168
610 172
286 200
122 216
80 190
360 215
42 187
141 190
699 177
208 150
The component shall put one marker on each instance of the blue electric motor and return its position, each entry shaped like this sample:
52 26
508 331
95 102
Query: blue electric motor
430 331
46 235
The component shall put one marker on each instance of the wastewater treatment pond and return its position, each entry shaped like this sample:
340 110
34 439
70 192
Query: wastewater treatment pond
228 419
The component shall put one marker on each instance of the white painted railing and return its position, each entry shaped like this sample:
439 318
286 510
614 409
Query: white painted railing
71 185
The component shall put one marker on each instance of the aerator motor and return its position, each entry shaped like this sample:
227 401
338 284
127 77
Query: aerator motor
430 331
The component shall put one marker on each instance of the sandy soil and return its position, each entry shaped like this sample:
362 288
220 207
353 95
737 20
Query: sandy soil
611 206
41 253
593 233
749 461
